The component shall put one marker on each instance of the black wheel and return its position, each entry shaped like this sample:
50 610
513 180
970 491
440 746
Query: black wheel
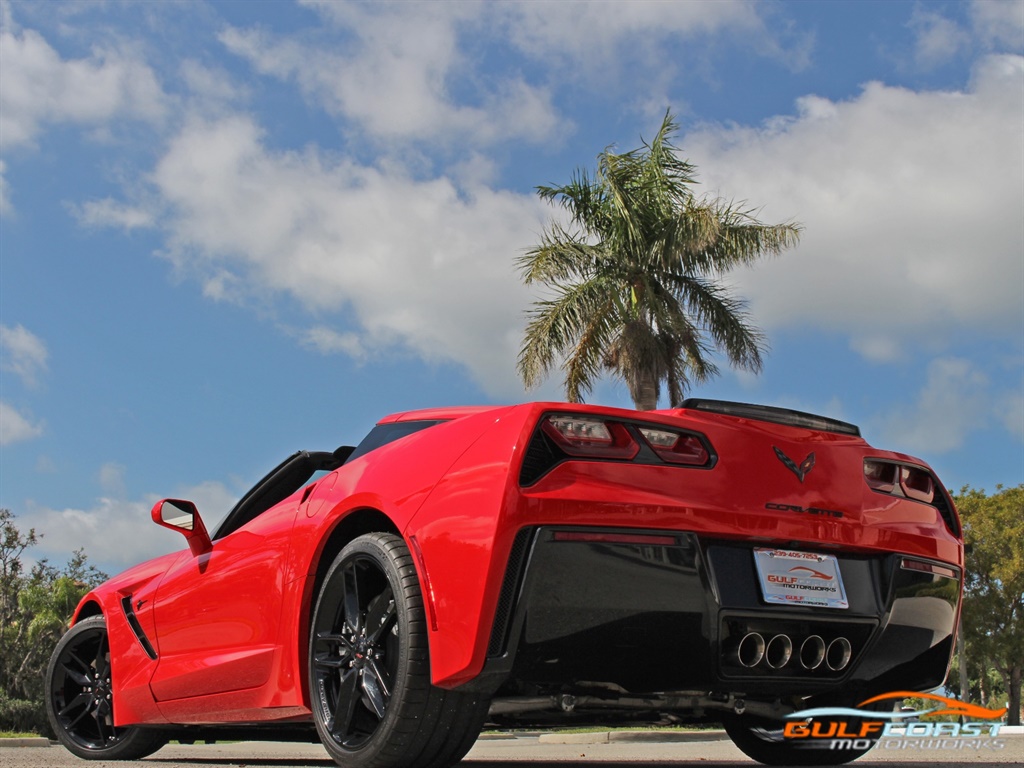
762 739
80 698
373 702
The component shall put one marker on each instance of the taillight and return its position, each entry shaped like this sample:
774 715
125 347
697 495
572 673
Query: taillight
562 436
917 484
676 447
881 475
590 438
900 479
894 478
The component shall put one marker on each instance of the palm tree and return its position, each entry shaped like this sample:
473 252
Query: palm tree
633 278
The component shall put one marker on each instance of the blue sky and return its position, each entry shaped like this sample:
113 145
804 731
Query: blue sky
231 230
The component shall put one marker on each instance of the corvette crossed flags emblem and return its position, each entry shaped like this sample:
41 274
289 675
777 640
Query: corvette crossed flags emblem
800 470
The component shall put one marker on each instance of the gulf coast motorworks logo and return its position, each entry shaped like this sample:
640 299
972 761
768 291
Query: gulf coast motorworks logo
866 727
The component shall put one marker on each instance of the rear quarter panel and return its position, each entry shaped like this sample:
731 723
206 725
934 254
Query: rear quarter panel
397 480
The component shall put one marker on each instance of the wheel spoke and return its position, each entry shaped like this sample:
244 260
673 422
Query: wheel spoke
101 724
330 637
102 662
382 611
324 661
86 710
72 657
76 677
345 708
376 689
353 617
81 699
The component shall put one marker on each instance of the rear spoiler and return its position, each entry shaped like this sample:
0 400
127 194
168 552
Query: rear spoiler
772 414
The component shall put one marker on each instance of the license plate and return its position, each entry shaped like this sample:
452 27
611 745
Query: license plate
800 578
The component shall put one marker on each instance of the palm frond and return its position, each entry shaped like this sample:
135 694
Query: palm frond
725 319
556 325
560 257
634 276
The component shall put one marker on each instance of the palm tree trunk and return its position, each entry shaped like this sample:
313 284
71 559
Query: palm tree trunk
644 392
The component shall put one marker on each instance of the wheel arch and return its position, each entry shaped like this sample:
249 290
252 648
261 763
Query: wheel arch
348 527
87 610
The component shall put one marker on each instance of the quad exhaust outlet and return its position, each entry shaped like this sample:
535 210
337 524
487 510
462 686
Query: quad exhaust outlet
778 651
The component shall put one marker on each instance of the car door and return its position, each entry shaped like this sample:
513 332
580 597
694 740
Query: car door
218 615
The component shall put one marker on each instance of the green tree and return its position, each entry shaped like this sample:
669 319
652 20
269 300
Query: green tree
35 608
634 278
993 609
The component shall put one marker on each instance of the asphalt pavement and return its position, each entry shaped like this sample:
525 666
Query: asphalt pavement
611 750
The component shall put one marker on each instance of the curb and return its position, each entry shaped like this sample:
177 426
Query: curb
31 741
611 737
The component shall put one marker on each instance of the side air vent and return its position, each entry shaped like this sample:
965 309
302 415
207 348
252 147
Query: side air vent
772 414
133 622
541 455
509 590
945 507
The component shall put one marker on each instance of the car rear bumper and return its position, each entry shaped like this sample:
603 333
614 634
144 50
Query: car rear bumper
642 611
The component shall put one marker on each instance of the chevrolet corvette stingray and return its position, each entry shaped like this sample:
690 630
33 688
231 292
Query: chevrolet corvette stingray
536 565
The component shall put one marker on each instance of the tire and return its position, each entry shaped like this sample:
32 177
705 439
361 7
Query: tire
369 670
761 739
80 703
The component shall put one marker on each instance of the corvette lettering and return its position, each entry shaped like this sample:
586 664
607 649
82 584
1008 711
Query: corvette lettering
804 510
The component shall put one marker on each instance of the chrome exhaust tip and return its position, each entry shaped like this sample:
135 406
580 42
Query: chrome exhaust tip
812 652
778 651
838 654
750 651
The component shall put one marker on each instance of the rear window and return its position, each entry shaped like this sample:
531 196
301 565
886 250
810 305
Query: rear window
383 434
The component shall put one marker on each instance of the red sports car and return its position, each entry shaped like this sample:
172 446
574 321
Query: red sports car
532 565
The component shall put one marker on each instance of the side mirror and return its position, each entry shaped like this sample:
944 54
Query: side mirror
182 516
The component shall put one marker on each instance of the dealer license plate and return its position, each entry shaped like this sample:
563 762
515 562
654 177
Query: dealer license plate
800 578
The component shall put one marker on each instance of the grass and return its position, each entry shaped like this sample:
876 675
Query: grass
17 735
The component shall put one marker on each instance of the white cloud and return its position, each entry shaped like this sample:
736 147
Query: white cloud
112 478
22 353
911 203
596 36
397 75
424 265
992 26
1010 409
111 213
14 427
954 402
118 532
115 533
212 90
999 23
410 71
327 341
878 349
5 195
938 38
39 87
